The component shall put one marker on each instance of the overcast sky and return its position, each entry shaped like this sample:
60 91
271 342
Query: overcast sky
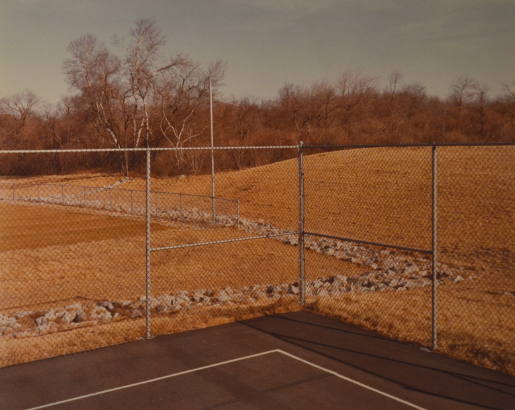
266 43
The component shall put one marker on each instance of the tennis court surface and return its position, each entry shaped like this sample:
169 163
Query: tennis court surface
291 361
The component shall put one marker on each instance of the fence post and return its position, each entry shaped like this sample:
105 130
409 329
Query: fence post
14 187
434 246
213 191
62 194
238 220
148 289
213 202
302 283
132 206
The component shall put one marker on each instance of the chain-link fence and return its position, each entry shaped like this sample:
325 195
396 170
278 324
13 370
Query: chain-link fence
426 239
114 198
416 243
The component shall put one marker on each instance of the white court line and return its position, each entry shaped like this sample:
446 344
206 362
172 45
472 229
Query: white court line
169 376
348 379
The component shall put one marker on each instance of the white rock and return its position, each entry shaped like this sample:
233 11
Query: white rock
100 313
107 304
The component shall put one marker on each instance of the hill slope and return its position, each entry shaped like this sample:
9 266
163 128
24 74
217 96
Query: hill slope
384 195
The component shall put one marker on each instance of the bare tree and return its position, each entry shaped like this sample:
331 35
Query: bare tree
507 110
508 93
96 74
323 96
463 91
355 92
244 123
181 91
19 107
470 99
290 103
394 82
141 67
480 105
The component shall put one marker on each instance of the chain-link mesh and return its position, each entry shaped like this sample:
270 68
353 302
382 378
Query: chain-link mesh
384 196
74 274
380 195
476 236
73 248
70 263
216 265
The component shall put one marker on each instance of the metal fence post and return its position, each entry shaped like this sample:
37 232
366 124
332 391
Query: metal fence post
302 283
132 206
213 189
62 194
213 204
238 215
14 187
148 288
434 246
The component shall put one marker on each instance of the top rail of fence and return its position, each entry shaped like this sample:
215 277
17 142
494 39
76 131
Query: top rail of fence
407 145
151 149
256 147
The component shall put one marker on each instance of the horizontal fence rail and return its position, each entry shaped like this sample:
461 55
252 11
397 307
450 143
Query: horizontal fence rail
254 147
224 241
379 244
151 149
408 145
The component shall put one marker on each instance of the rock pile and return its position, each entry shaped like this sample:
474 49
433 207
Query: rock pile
32 323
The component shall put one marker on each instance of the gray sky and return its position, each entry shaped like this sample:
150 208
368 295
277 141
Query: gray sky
266 43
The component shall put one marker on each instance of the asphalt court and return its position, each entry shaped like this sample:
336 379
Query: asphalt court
292 361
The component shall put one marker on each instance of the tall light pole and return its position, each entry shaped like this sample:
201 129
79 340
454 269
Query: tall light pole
213 191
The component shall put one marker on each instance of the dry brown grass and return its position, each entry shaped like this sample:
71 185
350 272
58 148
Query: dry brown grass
465 326
380 195
112 333
54 255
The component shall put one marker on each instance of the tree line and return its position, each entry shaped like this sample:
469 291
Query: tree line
130 95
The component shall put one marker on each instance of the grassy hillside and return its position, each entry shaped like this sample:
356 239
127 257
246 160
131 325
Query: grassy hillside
384 195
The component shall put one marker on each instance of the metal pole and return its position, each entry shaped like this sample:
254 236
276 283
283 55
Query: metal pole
132 206
148 289
13 191
213 204
62 193
238 220
302 284
434 232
